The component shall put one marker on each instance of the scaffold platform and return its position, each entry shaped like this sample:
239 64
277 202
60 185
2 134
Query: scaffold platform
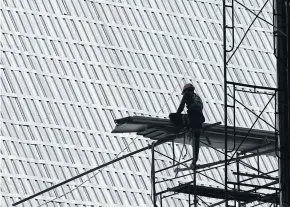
247 143
213 134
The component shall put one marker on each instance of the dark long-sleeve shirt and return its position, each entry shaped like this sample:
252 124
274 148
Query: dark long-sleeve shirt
187 100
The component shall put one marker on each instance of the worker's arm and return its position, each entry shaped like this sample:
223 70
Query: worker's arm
181 105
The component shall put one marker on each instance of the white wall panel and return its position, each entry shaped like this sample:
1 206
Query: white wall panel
72 66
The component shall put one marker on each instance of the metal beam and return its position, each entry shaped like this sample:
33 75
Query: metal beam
235 159
266 186
255 176
257 187
283 78
263 174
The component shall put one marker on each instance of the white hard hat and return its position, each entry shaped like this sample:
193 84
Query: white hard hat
187 86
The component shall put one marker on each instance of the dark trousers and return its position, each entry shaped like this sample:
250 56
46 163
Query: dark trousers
195 144
191 120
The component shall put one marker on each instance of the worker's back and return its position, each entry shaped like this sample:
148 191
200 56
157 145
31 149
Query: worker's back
193 102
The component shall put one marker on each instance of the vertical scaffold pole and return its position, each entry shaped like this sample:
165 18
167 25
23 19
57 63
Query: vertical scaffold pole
288 87
194 167
189 204
282 54
153 175
173 152
225 99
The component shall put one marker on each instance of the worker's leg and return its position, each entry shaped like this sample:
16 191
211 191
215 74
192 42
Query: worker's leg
196 140
195 147
193 150
196 124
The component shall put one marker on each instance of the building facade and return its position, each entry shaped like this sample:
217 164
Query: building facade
70 67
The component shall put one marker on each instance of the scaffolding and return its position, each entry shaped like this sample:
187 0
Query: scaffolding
186 183
235 191
239 192
279 94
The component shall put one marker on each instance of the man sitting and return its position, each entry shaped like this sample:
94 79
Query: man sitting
194 117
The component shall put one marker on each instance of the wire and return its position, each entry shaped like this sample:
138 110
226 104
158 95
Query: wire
183 147
88 178
174 89
180 154
113 159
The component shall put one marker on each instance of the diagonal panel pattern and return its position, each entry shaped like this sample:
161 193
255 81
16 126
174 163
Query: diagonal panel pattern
71 67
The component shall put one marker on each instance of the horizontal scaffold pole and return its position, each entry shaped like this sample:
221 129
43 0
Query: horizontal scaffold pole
235 159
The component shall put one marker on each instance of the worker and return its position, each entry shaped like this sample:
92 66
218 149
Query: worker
194 117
